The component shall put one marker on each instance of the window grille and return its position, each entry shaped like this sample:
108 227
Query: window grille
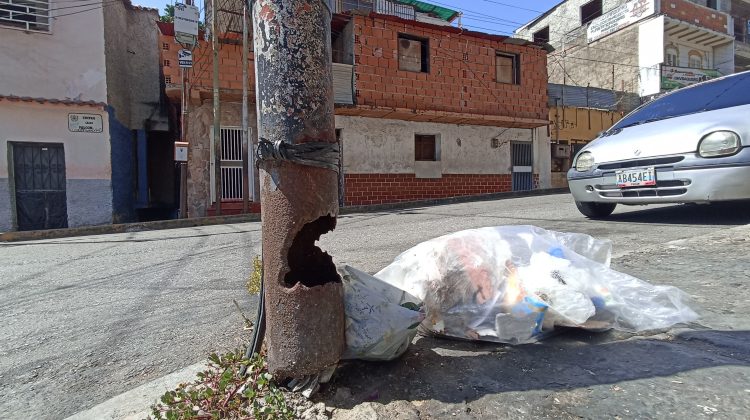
30 15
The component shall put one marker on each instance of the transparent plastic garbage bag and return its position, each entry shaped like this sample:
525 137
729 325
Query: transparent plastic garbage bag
513 284
381 320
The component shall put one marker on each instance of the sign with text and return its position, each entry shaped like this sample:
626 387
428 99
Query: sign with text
186 19
180 151
185 58
619 17
677 77
85 123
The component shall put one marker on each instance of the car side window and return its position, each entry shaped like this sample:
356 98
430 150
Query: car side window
724 93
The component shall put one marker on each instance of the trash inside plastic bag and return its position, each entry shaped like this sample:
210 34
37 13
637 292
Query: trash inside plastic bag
381 320
514 284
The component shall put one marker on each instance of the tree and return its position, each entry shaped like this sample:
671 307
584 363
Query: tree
168 14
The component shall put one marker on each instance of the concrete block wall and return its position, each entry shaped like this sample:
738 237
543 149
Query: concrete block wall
461 74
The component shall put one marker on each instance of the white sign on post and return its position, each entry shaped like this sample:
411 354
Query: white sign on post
180 151
185 58
619 17
186 19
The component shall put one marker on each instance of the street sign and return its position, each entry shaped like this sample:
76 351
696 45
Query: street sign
85 123
186 19
185 58
186 40
180 151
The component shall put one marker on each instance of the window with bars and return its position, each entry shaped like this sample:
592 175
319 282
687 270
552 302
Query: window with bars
167 79
30 15
165 46
166 63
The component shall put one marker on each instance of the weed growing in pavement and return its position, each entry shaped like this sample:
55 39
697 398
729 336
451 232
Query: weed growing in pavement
253 283
220 392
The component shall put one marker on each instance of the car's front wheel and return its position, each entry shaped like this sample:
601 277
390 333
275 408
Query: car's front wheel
595 210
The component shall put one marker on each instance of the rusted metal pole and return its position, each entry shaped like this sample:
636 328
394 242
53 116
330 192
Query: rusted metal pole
299 203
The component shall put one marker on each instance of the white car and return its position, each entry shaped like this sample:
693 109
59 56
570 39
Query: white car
688 146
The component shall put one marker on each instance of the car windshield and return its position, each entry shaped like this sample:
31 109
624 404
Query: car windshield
723 93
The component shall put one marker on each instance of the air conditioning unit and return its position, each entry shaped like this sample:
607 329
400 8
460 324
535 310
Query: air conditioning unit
561 151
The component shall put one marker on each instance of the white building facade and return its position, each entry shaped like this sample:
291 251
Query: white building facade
54 129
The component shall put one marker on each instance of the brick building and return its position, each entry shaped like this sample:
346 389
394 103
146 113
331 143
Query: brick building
423 109
636 46
612 55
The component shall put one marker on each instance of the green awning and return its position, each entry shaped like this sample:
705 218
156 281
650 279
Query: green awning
437 11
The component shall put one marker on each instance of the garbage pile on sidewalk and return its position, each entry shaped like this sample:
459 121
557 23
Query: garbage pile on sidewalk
508 284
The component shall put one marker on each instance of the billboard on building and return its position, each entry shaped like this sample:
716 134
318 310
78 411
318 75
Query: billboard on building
677 77
619 17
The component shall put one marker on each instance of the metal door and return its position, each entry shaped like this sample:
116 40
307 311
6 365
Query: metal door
39 183
522 160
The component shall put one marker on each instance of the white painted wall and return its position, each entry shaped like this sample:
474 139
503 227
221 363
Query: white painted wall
374 145
724 57
565 18
68 62
87 155
87 159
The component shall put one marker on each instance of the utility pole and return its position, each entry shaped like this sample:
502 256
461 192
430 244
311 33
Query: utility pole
298 161
217 105
245 146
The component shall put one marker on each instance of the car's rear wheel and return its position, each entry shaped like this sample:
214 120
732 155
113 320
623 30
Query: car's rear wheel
595 210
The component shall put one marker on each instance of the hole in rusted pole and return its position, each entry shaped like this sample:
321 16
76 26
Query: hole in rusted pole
308 264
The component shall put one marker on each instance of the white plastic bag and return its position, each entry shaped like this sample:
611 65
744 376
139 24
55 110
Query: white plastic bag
381 320
512 284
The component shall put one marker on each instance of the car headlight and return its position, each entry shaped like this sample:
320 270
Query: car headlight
585 162
719 143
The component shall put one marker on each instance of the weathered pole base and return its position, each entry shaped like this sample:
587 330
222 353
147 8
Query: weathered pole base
303 292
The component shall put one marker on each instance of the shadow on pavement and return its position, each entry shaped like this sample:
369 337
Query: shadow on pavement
456 372
718 214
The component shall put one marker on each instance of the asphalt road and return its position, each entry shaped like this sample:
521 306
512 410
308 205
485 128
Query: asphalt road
87 318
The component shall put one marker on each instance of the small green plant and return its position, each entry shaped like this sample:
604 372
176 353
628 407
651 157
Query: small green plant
221 392
253 284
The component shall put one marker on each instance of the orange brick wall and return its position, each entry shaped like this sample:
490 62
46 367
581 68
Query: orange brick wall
695 14
367 189
201 75
461 77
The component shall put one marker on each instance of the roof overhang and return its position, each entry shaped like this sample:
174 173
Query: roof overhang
695 34
440 116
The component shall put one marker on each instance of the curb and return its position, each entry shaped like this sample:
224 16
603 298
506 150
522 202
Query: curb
134 404
254 217
126 227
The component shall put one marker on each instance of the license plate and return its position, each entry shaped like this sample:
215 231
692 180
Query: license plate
636 177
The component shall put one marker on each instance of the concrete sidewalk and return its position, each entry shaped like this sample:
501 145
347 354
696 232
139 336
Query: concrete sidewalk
244 218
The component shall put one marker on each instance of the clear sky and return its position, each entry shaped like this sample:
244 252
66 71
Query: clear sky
494 16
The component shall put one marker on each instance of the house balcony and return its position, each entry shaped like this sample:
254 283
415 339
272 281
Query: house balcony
697 15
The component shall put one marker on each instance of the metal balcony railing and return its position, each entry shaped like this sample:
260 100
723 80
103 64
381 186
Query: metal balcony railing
384 7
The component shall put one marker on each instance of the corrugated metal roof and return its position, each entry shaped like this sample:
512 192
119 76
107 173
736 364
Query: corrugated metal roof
588 97
440 12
